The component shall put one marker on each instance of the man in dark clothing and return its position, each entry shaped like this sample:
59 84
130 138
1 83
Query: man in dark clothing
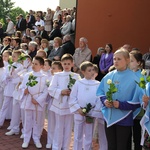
21 24
55 32
6 44
68 46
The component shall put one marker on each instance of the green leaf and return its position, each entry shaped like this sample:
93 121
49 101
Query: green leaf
142 79
111 90
31 81
148 79
71 82
142 85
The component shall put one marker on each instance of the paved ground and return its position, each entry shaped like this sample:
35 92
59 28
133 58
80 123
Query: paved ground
14 142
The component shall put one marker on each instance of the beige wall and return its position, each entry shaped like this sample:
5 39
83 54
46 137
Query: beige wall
67 3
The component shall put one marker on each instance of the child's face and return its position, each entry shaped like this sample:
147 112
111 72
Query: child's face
5 56
36 66
55 69
14 43
46 67
120 62
15 57
40 54
44 45
88 73
67 65
134 65
56 43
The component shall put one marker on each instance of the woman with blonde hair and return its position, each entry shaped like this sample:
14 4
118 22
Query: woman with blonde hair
45 46
57 51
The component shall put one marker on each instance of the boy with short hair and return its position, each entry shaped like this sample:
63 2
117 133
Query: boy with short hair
10 81
60 92
35 94
83 93
17 96
99 121
55 67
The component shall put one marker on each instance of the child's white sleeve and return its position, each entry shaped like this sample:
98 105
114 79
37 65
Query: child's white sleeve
53 89
73 100
96 111
42 97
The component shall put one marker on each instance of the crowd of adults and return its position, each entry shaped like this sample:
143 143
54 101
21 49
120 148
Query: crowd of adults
52 32
49 34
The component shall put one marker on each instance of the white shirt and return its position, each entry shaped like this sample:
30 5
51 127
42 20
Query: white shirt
10 27
38 92
41 23
59 82
84 92
56 14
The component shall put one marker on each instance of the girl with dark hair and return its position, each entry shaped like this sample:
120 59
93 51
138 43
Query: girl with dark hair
136 64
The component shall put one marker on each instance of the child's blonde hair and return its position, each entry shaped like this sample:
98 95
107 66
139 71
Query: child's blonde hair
18 52
44 54
124 52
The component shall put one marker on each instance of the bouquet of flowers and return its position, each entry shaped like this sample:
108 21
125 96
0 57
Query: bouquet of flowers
47 83
142 84
71 82
31 80
112 89
143 80
10 62
21 58
86 110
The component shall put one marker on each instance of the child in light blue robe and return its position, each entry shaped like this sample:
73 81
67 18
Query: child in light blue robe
118 114
145 121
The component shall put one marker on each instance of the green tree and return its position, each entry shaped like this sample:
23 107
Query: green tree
15 12
7 10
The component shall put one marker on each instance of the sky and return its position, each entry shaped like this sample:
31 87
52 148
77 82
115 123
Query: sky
36 5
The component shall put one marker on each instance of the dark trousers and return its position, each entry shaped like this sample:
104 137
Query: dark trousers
136 133
117 137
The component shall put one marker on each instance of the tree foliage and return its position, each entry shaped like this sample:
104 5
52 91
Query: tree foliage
15 12
7 9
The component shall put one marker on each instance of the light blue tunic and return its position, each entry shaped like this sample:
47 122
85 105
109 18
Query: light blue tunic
128 91
145 121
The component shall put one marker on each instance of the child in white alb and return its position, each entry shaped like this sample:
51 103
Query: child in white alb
10 81
60 92
35 94
82 94
17 97
47 71
56 67
99 124
2 73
